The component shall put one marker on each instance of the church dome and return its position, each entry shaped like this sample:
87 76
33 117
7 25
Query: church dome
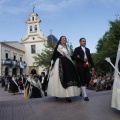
52 38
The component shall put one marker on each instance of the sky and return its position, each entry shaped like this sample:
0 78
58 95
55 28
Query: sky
72 18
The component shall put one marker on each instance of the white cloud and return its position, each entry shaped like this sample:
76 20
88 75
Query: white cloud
20 6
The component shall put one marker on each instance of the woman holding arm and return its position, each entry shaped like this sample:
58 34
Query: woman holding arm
63 77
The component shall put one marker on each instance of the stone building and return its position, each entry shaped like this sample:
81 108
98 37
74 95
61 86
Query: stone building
17 57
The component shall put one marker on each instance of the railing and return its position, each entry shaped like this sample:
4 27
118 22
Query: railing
23 64
14 63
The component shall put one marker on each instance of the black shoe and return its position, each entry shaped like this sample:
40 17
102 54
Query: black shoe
68 100
86 99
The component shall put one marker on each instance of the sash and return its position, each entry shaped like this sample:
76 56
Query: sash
85 65
64 51
32 82
26 92
28 79
14 82
35 84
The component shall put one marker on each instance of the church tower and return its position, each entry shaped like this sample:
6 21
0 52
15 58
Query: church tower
34 42
33 31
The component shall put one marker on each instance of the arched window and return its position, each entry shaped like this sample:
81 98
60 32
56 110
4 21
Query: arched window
14 71
33 71
32 18
20 58
6 71
14 58
35 27
6 55
30 28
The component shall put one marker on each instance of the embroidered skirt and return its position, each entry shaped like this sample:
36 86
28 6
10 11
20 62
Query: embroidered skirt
55 87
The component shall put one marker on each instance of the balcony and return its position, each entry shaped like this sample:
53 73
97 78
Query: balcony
14 63
23 64
7 62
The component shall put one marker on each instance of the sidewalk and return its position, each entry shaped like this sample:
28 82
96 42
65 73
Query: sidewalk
14 107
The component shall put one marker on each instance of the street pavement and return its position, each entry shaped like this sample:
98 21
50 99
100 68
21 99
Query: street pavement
14 107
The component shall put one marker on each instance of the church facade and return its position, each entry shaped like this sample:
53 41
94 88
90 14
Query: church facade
34 42
17 57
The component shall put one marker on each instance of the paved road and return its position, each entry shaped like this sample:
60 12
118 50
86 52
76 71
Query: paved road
14 107
5 96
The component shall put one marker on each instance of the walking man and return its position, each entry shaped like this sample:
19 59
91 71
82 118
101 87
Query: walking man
83 58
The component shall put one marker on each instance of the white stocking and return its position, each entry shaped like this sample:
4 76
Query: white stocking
84 91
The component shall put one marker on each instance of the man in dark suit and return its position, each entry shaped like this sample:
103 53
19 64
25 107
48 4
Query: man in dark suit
43 82
21 82
83 58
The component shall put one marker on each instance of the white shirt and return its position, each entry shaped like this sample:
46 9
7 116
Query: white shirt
85 56
22 79
42 79
83 48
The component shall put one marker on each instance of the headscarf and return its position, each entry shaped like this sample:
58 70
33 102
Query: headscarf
55 53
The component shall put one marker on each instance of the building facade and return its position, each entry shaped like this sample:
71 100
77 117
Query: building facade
12 58
17 57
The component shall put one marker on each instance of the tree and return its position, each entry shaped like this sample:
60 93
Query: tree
107 46
43 58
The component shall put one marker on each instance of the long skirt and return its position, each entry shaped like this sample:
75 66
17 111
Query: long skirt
13 88
35 93
55 87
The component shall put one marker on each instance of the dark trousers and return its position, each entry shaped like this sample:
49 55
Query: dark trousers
84 75
6 87
44 89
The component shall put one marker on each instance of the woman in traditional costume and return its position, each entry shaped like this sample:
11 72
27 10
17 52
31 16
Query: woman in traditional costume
63 77
33 88
13 85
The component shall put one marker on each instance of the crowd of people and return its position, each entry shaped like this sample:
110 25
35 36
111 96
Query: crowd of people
32 86
101 82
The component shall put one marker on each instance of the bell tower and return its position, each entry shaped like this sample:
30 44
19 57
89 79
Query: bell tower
33 41
33 23
34 32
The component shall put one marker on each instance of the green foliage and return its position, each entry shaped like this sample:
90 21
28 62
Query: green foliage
69 44
44 58
107 46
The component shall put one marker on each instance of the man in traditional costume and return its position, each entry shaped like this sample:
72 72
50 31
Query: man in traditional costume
43 83
21 82
63 77
83 58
